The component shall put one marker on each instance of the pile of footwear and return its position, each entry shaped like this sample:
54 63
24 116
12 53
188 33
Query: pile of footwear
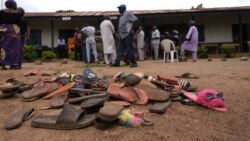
88 99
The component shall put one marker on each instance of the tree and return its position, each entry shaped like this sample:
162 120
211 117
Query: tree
200 6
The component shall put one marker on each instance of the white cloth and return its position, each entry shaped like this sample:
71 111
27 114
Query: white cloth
140 39
89 31
107 31
61 42
155 38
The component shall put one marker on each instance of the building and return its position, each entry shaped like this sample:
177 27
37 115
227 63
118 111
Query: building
216 25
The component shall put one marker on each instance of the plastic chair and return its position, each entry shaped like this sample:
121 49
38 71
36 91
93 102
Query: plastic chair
166 45
248 43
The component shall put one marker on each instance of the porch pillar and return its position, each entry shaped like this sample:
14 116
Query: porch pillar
240 30
52 34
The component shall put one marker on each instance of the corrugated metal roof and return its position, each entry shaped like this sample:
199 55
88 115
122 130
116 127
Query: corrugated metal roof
137 12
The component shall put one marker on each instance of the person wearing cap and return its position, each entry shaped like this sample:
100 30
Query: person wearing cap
125 30
155 41
191 43
107 31
10 42
140 43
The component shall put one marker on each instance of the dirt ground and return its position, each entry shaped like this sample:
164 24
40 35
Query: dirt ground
179 123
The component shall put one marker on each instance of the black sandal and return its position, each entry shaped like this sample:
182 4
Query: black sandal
3 67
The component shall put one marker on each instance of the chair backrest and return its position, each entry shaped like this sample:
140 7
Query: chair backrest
248 43
166 45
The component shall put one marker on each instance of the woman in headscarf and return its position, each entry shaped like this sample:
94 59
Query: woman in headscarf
10 36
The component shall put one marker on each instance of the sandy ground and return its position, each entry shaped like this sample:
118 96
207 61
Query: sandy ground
179 123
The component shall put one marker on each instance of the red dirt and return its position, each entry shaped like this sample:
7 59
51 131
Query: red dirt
180 122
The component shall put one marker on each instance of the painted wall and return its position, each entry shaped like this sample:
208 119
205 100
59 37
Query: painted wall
218 28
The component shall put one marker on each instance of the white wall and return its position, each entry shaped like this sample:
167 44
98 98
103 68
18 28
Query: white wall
218 28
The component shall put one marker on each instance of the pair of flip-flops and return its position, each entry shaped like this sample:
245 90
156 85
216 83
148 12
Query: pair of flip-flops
39 90
128 94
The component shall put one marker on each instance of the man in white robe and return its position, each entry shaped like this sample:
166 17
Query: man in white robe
107 31
140 44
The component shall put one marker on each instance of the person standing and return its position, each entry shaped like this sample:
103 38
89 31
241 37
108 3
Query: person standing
61 47
107 32
71 43
90 41
10 42
78 45
140 43
126 36
24 32
191 43
155 41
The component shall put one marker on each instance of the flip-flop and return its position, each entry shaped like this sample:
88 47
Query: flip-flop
127 94
56 102
82 98
160 107
16 119
68 119
93 103
187 75
168 79
122 103
110 112
142 97
7 94
63 80
155 94
103 125
207 98
31 73
8 86
38 91
60 90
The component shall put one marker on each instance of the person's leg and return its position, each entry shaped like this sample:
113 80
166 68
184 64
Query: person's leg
120 52
194 56
88 50
106 58
93 46
156 46
76 52
131 49
139 53
182 55
113 56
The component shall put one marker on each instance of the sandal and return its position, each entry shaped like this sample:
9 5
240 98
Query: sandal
3 67
188 75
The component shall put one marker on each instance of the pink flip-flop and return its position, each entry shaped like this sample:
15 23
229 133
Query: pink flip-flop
209 98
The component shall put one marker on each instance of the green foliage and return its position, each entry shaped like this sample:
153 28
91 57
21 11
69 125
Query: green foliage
202 52
228 51
29 53
71 55
48 55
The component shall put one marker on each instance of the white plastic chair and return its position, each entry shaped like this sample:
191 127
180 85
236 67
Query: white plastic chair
248 43
166 45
